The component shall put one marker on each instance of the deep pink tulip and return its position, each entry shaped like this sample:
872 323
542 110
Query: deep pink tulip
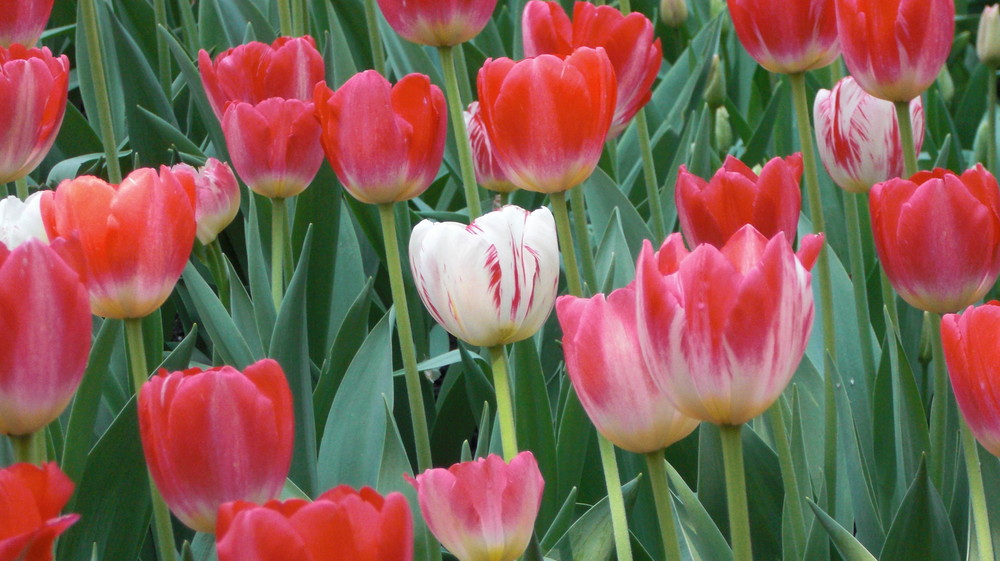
30 500
488 171
438 23
217 194
23 21
973 357
484 509
634 52
384 142
938 236
787 37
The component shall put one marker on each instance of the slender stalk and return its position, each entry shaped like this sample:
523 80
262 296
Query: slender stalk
100 83
462 72
789 478
162 528
418 417
939 406
189 25
736 493
505 404
649 173
991 123
285 17
298 18
977 494
582 237
220 272
566 243
29 448
856 248
375 37
889 297
279 212
162 50
616 502
455 109
21 185
656 467
906 138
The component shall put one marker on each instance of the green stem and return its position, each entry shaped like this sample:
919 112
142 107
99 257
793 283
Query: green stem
582 237
279 213
189 25
162 528
285 17
505 404
100 84
939 406
616 502
21 185
789 478
566 242
29 448
906 138
656 466
375 37
162 50
455 109
856 248
991 123
889 297
462 72
298 23
217 263
649 173
418 417
977 495
736 493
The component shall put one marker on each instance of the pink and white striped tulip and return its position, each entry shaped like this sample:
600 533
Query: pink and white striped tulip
617 388
858 135
725 328
21 221
488 171
217 197
492 282
483 510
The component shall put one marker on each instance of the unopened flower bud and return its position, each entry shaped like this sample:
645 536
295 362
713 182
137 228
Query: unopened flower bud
946 86
673 12
715 91
988 37
723 129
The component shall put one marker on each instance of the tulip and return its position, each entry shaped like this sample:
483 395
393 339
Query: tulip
728 325
712 211
895 48
289 68
437 23
129 243
858 135
30 500
217 197
616 387
488 172
45 318
34 86
23 21
490 283
384 142
21 221
787 37
673 13
483 510
340 524
938 236
216 436
972 355
988 36
548 117
634 52
274 145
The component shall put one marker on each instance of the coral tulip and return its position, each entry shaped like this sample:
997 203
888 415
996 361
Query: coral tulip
938 236
972 355
384 142
45 318
548 117
488 172
129 242
712 211
30 500
616 387
216 436
858 135
340 524
634 52
23 21
726 328
895 48
492 282
34 85
437 23
289 68
274 145
21 221
787 37
217 197
483 510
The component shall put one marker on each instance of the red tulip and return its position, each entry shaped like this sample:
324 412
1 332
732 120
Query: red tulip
23 21
725 328
712 211
616 387
938 236
129 242
488 172
30 500
274 145
217 197
484 509
289 68
385 142
628 40
787 37
216 436
438 23
548 117
33 85
340 524
895 48
972 355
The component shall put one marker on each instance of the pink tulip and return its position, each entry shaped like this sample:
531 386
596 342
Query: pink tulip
438 23
23 21
972 354
488 171
787 37
217 194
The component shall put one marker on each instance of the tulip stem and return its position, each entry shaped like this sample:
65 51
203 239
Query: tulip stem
418 417
616 502
279 213
656 466
162 50
461 134
100 84
906 138
625 6
825 281
189 25
991 122
939 405
217 264
298 18
856 249
29 448
736 492
789 478
285 17
566 242
505 404
375 37
981 517
889 297
583 238
162 528
649 173
21 186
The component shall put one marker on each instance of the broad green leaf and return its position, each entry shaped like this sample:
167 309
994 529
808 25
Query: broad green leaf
847 545
590 537
921 529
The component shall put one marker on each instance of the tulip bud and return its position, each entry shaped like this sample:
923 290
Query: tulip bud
715 91
21 221
30 500
988 37
23 21
971 352
980 146
437 23
673 13
723 133
217 194
946 86
787 37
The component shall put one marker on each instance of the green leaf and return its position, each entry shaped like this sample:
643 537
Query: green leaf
534 420
590 538
847 545
921 529
230 344
701 535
